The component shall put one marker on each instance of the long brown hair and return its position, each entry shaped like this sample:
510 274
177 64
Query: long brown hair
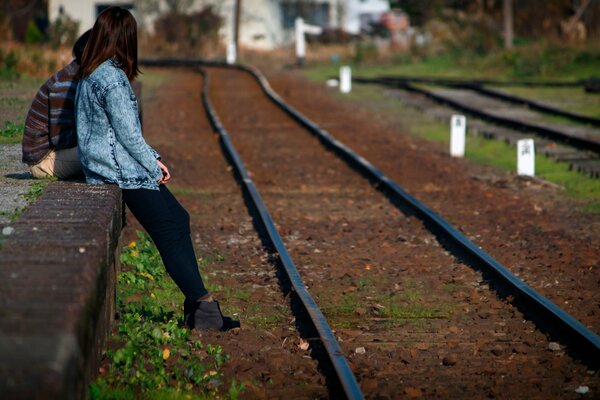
114 35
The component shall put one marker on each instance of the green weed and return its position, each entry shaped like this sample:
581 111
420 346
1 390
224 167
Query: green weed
257 319
398 308
36 189
450 287
236 389
15 214
156 355
8 65
12 133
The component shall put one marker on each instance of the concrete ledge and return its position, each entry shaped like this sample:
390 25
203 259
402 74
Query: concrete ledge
57 286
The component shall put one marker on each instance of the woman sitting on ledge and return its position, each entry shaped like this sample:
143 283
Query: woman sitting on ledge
49 139
112 150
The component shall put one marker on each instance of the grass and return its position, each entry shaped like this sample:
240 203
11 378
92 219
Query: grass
538 61
412 304
191 191
35 192
12 133
37 189
15 98
14 102
151 80
258 320
503 155
575 100
154 356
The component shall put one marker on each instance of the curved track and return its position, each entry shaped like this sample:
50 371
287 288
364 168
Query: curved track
551 318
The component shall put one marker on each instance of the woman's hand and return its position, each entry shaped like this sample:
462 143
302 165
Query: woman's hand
166 175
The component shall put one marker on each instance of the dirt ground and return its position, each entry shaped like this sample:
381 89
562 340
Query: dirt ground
413 320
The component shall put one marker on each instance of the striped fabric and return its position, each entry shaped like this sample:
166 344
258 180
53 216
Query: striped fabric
50 122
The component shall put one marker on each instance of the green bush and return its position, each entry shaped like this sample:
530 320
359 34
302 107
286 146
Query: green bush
8 65
33 35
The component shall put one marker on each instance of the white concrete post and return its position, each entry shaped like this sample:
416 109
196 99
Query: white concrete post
345 79
300 43
458 131
526 157
231 54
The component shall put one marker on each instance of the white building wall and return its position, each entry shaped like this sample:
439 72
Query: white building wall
83 11
354 9
261 25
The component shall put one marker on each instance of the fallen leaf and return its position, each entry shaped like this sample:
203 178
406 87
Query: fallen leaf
303 344
413 392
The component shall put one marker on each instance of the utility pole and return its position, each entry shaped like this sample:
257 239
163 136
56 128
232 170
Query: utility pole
508 24
236 30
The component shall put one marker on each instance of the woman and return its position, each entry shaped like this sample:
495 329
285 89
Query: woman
112 150
49 139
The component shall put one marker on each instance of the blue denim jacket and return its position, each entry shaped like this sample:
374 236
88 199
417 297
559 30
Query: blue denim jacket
109 135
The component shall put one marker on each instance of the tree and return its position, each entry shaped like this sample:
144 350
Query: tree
508 24
179 6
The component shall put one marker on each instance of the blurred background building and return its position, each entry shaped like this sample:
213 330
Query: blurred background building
363 28
264 24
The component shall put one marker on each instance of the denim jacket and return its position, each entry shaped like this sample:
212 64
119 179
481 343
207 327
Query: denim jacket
110 144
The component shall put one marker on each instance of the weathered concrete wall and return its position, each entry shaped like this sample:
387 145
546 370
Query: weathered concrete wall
57 286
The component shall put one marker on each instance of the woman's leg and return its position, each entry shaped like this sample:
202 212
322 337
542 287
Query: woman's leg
167 223
67 164
64 164
183 223
182 218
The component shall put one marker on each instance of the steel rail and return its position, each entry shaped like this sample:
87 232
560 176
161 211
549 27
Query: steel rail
592 144
493 82
535 105
345 376
477 86
549 317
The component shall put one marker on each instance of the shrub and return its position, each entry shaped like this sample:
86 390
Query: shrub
186 34
33 34
8 65
63 31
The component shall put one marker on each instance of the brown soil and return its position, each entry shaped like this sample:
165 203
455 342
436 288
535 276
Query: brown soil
412 319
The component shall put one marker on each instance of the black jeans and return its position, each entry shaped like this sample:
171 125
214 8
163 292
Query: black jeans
168 224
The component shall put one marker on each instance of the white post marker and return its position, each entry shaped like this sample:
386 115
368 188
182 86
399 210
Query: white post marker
458 130
345 79
231 55
526 157
300 43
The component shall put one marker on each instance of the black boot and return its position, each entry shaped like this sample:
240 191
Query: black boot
189 307
207 315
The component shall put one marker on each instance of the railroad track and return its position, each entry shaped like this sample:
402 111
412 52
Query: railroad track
479 86
325 191
578 145
490 82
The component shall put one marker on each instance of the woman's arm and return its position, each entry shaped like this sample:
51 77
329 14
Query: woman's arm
124 119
